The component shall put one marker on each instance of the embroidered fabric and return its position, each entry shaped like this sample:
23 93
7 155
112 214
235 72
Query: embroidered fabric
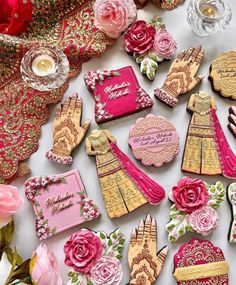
64 24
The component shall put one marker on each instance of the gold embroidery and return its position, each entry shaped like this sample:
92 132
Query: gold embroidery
201 155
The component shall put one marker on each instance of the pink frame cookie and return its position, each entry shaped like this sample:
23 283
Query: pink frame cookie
60 202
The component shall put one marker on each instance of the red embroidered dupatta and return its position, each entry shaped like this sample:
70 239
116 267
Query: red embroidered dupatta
65 24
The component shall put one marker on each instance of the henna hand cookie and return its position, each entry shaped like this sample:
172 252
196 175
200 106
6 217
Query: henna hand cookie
181 77
145 263
154 140
200 263
223 74
68 131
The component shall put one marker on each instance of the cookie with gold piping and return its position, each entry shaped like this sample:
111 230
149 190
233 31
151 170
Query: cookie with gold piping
200 262
223 75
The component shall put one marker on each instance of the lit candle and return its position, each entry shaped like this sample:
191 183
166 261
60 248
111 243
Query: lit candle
43 65
209 10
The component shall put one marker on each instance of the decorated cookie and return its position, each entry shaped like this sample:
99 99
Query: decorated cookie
181 77
231 195
123 185
149 44
194 208
59 202
117 93
200 263
94 257
163 4
154 140
145 263
68 131
232 120
223 74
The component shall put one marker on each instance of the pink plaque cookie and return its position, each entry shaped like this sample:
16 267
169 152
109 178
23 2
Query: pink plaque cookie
60 202
154 140
117 93
200 263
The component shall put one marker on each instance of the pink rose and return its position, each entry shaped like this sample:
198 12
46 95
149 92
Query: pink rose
10 202
114 16
82 250
139 38
164 45
106 271
204 221
190 194
44 269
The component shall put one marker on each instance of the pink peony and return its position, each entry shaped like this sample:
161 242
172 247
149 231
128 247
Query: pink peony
190 194
10 202
82 250
139 38
114 16
164 45
44 269
204 221
106 270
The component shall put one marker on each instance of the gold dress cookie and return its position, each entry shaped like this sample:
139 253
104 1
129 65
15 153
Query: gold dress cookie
223 74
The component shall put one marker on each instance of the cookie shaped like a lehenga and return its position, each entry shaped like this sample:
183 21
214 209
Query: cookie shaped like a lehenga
207 150
223 74
124 187
200 263
59 202
154 140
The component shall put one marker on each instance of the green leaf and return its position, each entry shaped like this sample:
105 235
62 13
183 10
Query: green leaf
21 272
216 193
174 212
74 278
70 274
177 227
102 235
119 256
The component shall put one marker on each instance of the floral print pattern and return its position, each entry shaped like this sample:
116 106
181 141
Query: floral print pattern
88 209
143 100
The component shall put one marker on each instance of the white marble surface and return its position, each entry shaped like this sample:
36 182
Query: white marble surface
168 175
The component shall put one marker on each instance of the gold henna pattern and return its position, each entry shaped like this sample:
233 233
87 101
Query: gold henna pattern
181 77
144 263
68 133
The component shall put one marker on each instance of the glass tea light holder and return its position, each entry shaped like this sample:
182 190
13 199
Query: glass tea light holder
208 17
44 68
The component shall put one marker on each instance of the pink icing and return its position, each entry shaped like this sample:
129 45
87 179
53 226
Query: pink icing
66 188
117 93
153 139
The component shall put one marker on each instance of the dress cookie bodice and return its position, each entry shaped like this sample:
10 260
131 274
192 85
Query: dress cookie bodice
99 141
